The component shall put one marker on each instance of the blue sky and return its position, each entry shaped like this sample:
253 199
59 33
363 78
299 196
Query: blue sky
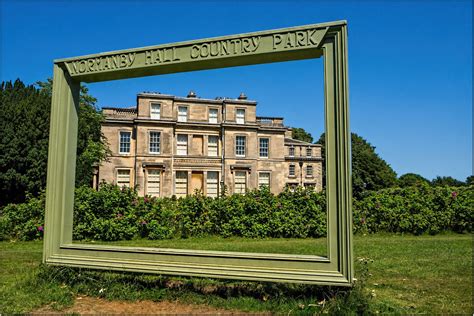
410 64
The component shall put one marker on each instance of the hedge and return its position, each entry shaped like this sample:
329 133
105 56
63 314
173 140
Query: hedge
117 214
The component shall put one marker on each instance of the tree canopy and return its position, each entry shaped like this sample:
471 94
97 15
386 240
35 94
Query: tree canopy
411 179
300 134
24 122
369 171
446 181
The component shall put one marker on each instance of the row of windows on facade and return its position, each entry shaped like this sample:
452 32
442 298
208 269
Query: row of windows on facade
212 149
181 182
155 113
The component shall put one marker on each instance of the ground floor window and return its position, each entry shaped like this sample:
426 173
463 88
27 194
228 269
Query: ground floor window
292 186
123 178
309 186
264 179
240 182
153 182
181 183
212 184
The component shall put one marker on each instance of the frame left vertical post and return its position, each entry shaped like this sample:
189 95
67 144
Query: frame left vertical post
61 161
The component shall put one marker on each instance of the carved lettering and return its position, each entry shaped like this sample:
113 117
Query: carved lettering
311 39
300 39
102 63
225 47
277 39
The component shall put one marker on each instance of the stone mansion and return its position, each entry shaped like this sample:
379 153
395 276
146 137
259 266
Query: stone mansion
169 145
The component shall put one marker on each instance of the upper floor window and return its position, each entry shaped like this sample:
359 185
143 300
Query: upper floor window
308 152
155 111
240 116
292 151
264 147
291 171
182 113
155 142
212 146
240 146
182 145
309 171
124 144
213 115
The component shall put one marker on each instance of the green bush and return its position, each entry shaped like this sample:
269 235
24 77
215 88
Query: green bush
112 213
417 209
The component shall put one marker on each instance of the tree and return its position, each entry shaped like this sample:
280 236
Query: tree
446 181
470 180
411 179
369 171
24 117
24 126
300 134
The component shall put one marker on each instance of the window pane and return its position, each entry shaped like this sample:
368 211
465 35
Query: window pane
308 151
212 184
182 114
153 182
212 115
263 147
212 146
123 178
264 179
182 145
240 116
155 142
181 188
292 170
240 182
309 171
124 147
240 146
155 110
292 151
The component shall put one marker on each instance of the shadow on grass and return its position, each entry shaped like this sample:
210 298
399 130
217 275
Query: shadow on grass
240 295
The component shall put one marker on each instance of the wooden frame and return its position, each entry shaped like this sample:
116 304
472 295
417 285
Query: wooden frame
328 40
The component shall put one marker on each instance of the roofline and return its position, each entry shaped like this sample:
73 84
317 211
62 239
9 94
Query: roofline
301 142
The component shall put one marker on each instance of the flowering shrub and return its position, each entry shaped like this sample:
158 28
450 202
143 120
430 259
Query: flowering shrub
112 213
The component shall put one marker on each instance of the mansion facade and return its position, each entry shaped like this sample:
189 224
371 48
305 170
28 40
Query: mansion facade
169 145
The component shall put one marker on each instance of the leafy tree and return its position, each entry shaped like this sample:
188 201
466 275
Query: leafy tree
300 134
446 181
369 171
24 125
411 179
470 180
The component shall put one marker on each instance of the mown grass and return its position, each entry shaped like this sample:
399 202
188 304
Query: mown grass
409 274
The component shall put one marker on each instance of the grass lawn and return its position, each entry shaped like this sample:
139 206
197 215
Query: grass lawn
409 274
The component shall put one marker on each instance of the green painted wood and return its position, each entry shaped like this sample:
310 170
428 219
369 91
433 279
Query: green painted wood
327 40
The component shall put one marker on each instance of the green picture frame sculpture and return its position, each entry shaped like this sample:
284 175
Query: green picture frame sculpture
327 40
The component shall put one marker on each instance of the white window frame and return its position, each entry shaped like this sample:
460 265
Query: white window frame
118 180
260 147
154 113
211 183
178 181
240 119
150 138
213 119
215 148
260 184
238 146
237 187
181 147
129 142
148 178
181 117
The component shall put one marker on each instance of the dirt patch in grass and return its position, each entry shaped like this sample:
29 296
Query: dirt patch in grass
90 305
